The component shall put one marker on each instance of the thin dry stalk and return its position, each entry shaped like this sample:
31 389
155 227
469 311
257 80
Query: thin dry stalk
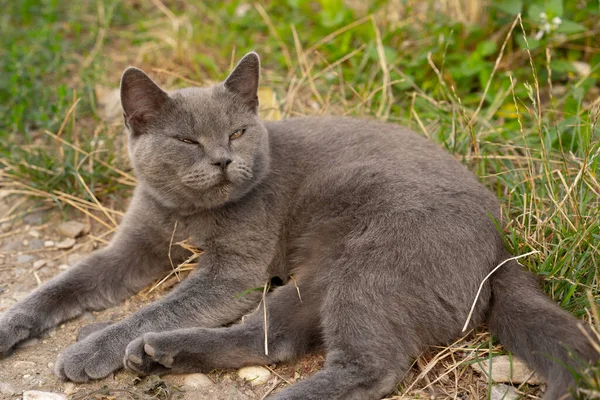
386 92
273 30
486 278
496 65
170 246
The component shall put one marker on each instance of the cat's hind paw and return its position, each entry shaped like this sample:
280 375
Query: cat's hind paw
149 355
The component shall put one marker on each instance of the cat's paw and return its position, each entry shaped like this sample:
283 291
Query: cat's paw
93 358
15 327
150 354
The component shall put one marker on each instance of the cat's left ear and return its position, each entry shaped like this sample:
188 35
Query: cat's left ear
243 80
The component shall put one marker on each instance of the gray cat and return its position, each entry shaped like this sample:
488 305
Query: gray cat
386 236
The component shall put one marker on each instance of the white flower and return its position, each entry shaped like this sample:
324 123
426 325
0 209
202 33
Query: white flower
556 21
543 16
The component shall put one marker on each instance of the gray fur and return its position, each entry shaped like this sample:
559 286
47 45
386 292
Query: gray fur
385 234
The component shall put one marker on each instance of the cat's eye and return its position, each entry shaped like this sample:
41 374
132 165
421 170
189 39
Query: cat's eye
188 141
237 134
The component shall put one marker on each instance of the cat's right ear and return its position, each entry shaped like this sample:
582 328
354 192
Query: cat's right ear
141 99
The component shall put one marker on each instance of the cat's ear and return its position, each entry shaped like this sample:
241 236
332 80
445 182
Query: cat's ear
141 99
243 80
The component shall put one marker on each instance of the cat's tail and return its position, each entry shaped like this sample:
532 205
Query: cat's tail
538 331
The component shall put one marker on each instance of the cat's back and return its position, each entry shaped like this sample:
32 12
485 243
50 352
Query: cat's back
322 145
364 164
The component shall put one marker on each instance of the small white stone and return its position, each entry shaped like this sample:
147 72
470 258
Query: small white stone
74 258
72 229
507 369
39 264
63 267
49 243
24 365
255 375
37 395
66 244
582 68
34 233
70 388
25 242
503 392
197 381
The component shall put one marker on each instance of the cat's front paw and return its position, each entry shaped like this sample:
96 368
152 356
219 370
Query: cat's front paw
150 354
95 357
15 327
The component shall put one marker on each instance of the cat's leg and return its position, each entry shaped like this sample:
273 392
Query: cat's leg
368 350
99 281
293 329
214 295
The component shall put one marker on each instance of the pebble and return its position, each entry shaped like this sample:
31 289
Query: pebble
74 258
66 244
7 388
197 381
25 258
71 229
255 375
503 392
63 267
49 243
70 388
36 244
37 395
506 369
5 226
12 246
24 365
26 242
39 264
34 233
36 218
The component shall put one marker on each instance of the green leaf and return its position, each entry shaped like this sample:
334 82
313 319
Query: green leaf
534 12
486 48
554 8
570 27
511 7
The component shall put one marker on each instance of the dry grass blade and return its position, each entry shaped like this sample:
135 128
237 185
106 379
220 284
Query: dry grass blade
187 265
131 180
273 30
486 278
496 65
332 35
386 92
100 206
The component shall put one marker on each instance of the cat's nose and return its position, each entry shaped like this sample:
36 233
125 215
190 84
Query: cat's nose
222 162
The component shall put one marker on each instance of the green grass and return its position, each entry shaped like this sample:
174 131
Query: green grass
511 103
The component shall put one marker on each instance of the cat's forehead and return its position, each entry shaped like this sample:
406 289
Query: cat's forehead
211 106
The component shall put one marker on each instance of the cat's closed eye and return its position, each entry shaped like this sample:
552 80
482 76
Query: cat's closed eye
187 141
237 134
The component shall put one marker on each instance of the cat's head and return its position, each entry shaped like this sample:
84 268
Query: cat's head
197 148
